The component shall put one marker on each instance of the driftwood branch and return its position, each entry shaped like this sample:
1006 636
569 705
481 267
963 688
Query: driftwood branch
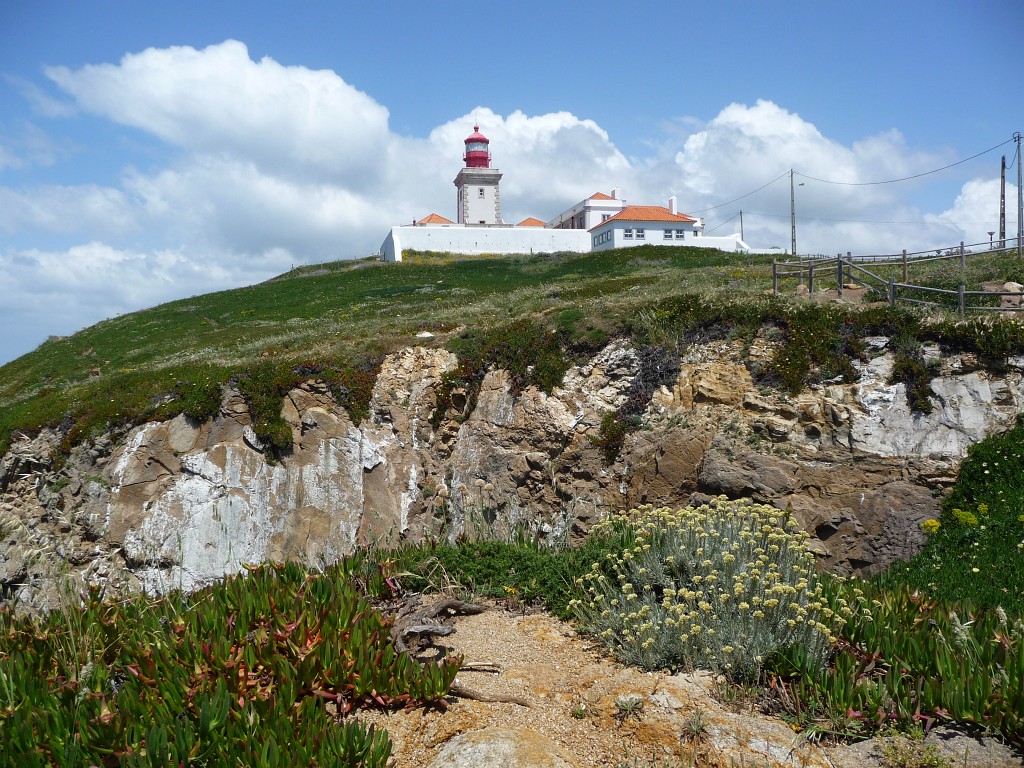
458 689
417 625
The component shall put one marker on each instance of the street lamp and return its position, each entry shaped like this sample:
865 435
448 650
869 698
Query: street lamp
990 239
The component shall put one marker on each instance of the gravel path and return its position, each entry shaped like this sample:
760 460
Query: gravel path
573 689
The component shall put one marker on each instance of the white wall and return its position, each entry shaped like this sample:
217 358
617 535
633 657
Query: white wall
654 235
481 209
472 240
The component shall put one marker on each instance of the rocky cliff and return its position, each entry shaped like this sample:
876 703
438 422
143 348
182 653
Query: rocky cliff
179 503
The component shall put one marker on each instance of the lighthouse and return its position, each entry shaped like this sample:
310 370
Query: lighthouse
478 198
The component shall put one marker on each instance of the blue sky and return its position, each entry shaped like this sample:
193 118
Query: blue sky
150 151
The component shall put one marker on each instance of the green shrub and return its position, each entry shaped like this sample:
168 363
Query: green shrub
976 552
725 586
820 342
993 339
265 385
528 571
916 375
611 434
530 353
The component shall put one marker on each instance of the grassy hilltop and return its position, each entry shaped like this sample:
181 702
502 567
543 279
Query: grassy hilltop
254 659
337 320
342 317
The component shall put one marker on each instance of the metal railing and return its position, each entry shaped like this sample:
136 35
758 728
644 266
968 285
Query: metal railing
851 272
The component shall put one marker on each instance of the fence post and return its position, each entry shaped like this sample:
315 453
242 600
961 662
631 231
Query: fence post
963 262
839 277
892 292
810 278
775 277
960 297
906 277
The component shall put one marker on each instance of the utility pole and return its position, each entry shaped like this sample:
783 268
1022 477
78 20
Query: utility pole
741 228
792 206
1002 204
1020 201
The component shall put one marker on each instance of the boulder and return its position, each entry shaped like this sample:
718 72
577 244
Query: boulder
501 748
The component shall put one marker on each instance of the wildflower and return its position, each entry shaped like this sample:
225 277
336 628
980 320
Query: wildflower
965 518
931 526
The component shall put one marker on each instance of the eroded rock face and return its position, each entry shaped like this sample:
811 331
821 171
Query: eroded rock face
180 503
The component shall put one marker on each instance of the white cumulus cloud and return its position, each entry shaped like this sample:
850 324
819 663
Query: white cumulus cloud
218 100
975 212
838 205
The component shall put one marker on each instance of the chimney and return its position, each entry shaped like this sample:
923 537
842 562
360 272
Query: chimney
615 193
672 205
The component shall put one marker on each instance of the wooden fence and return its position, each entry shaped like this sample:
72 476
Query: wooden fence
855 272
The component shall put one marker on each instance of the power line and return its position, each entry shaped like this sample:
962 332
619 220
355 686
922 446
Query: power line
735 199
851 184
722 224
855 221
905 178
814 218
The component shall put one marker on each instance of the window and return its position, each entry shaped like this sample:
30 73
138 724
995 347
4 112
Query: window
668 234
680 234
639 234
481 192
605 217
597 240
627 234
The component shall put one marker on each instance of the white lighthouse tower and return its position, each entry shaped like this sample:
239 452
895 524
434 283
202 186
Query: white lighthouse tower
479 200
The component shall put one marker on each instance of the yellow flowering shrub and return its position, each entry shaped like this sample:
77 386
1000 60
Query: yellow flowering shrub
966 518
698 572
931 526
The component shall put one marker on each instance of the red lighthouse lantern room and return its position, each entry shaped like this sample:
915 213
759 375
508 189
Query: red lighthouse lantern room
478 154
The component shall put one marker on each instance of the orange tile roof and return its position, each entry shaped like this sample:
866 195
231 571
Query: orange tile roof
600 196
433 218
647 213
530 221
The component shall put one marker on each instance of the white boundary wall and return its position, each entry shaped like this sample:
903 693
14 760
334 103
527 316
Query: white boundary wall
473 240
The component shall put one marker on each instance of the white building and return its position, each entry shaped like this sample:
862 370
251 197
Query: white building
590 212
599 222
